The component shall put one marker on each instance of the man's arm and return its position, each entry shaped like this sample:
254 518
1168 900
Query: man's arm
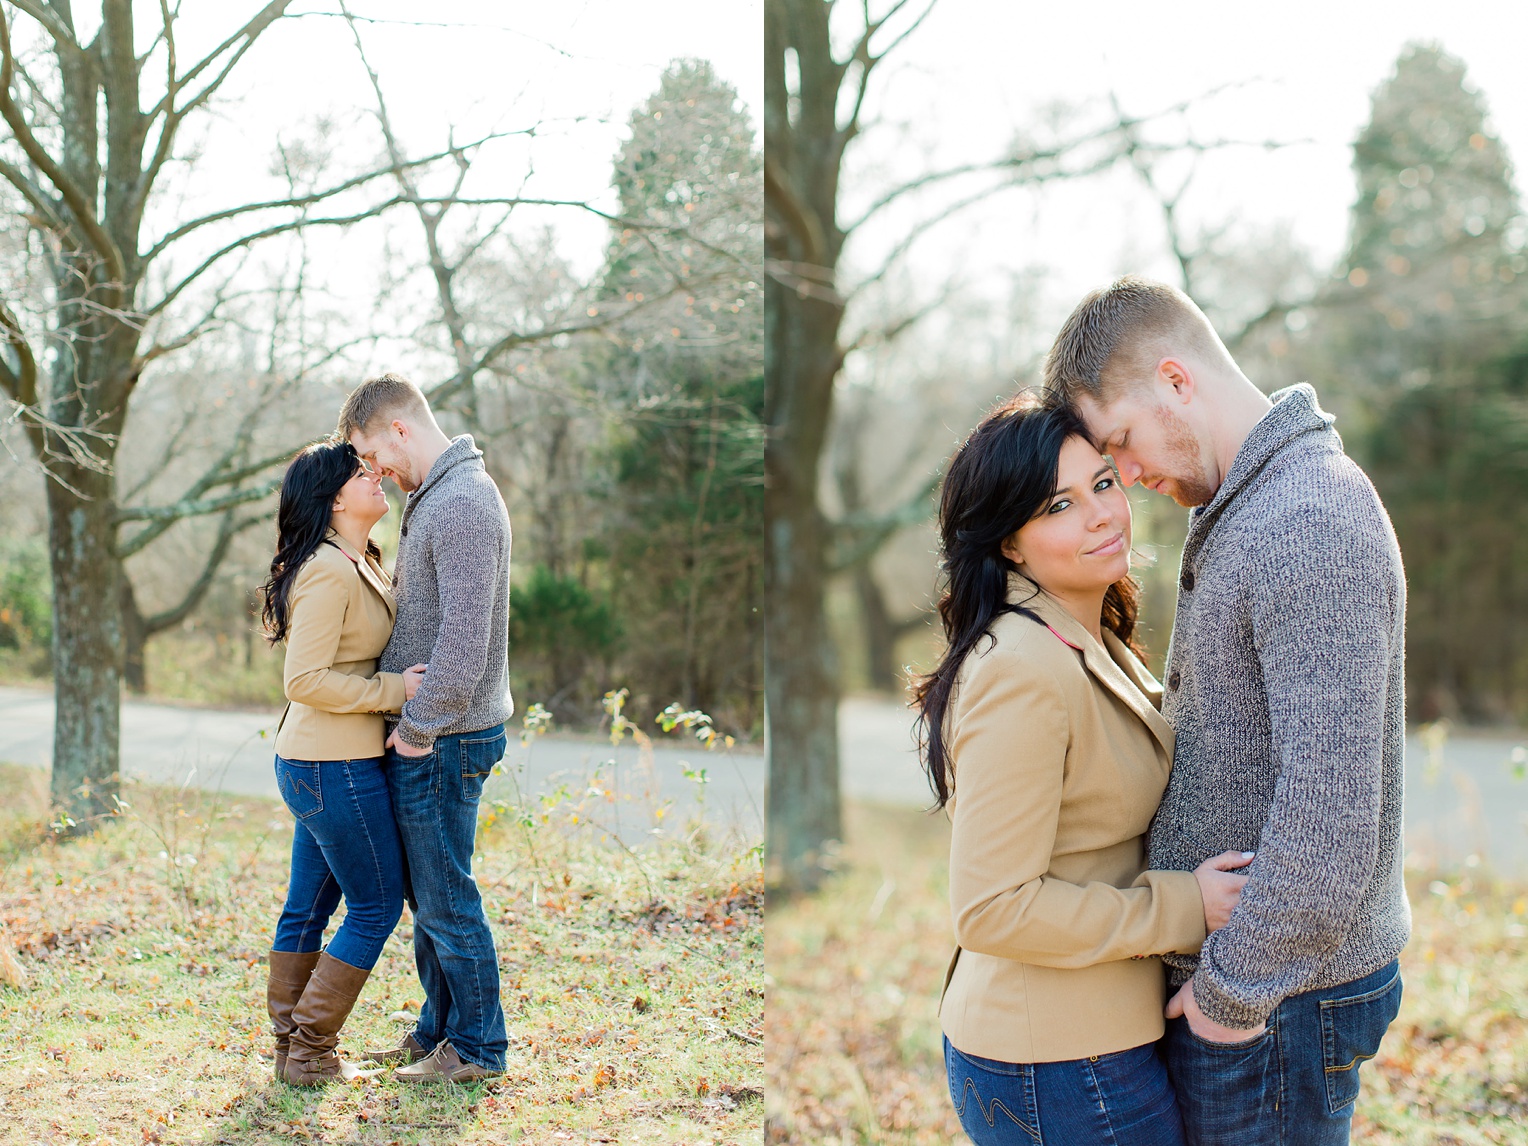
1323 612
465 550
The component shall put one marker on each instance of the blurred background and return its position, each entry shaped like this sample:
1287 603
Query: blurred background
1336 187
550 219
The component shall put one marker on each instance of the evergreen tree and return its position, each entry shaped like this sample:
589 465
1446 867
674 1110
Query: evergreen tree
1426 352
685 377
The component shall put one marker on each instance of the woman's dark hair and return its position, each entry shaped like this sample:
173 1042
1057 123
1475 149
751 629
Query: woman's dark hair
308 491
1002 476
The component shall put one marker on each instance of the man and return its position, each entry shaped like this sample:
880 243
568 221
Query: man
1285 689
452 587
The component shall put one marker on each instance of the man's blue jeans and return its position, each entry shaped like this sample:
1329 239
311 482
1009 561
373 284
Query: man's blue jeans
345 841
1117 1099
1296 1083
435 799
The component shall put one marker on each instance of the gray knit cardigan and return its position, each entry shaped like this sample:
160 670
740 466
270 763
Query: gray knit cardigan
452 586
1285 686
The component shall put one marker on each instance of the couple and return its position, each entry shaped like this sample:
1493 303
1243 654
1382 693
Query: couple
1244 826
384 817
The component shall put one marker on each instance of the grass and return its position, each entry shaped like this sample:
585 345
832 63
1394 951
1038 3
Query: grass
853 975
632 984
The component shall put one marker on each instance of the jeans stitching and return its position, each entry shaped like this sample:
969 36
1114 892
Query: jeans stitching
313 910
1327 1010
376 861
1098 1096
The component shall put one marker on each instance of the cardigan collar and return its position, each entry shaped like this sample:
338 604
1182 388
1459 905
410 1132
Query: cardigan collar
1111 663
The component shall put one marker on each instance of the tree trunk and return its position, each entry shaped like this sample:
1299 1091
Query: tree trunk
87 647
881 632
134 638
800 670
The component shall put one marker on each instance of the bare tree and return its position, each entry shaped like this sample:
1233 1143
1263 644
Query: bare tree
93 126
815 101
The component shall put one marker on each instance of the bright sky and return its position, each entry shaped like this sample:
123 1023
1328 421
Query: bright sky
578 68
977 69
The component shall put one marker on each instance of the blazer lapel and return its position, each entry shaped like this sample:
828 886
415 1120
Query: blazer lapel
1137 691
373 577
368 573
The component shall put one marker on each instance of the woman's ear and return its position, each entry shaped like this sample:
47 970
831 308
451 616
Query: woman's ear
1010 550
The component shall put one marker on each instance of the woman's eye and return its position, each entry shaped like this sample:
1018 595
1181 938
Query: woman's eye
1104 483
1057 507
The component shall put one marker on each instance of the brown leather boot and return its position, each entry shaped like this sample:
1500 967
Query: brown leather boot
316 1021
287 974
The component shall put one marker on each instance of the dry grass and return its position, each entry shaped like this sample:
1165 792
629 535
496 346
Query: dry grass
632 982
853 974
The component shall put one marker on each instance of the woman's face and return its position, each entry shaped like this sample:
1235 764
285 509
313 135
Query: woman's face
1079 542
361 498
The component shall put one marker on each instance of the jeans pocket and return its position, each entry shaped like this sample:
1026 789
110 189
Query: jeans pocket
1351 1031
992 1099
298 783
478 758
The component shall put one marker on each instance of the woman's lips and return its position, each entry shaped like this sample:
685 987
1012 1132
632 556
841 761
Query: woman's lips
1113 545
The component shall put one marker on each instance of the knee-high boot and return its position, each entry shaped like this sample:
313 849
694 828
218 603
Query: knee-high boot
287 976
316 1021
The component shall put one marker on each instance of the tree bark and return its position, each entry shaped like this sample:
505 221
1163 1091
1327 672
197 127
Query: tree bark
87 648
134 637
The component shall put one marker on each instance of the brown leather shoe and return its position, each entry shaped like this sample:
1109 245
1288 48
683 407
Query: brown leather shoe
443 1064
408 1051
287 973
316 1021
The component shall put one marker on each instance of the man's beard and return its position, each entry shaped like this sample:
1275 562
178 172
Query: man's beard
1190 485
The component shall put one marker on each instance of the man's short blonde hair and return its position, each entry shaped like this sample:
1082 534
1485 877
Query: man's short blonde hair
1115 337
386 395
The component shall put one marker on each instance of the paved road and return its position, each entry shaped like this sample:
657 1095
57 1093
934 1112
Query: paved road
1465 799
232 751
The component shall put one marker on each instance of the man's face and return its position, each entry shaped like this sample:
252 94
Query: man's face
1151 444
385 450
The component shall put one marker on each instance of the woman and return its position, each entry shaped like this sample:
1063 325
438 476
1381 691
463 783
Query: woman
1043 742
330 600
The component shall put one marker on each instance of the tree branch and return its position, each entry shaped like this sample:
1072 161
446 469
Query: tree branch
189 508
227 531
80 207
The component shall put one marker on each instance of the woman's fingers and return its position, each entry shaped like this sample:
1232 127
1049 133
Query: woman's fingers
1226 861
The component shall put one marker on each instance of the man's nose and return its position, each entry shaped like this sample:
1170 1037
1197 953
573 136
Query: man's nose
1129 472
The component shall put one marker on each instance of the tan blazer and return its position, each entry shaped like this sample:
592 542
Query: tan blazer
1059 758
339 616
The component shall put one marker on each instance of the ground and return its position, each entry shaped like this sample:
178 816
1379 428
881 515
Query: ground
632 983
852 1043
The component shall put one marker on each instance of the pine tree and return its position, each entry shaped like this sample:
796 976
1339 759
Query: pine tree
1426 356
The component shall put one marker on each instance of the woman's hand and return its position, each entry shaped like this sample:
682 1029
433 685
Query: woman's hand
1220 887
412 677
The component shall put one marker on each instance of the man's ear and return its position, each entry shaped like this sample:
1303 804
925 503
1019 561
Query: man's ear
1175 374
401 429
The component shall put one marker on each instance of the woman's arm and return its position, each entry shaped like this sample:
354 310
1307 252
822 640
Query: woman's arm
320 598
1009 745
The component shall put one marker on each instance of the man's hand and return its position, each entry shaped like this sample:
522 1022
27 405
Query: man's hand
1210 1031
403 749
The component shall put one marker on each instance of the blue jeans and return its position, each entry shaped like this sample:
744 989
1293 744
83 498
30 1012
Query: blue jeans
1118 1099
1296 1083
436 800
345 841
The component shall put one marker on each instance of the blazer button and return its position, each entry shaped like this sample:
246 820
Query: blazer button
1188 579
1174 680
